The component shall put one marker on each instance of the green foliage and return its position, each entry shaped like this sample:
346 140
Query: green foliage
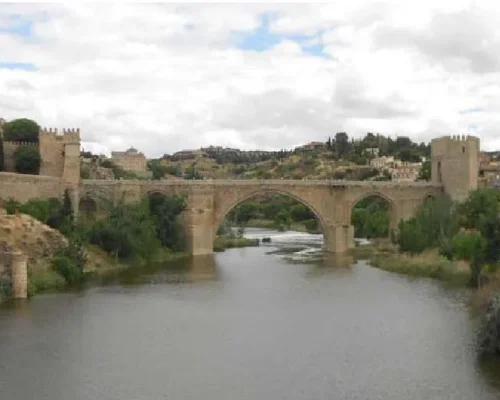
489 330
27 160
166 211
471 247
12 206
2 162
435 223
245 212
192 173
52 212
370 218
311 225
21 130
5 288
282 220
156 167
129 231
70 261
425 171
411 238
300 212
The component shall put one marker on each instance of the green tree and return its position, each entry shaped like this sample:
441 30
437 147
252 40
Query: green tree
481 212
300 212
27 160
282 220
166 211
471 246
425 171
157 169
129 231
21 130
2 166
70 261
342 144
434 224
244 212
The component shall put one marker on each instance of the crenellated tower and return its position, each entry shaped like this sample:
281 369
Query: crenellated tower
455 164
60 154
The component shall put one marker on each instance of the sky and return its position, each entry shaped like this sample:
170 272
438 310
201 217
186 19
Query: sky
167 77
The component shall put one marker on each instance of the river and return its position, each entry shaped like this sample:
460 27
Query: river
273 322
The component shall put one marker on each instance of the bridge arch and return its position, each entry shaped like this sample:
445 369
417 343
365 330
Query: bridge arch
227 207
88 208
393 209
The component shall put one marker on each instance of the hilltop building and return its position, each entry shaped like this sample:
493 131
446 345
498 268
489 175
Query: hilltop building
130 160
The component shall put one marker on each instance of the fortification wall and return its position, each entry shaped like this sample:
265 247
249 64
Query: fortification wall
9 148
24 187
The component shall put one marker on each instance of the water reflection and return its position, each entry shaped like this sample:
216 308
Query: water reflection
182 270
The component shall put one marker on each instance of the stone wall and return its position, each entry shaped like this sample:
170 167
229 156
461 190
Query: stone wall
24 187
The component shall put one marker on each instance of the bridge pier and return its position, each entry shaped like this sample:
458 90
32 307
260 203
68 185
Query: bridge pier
338 238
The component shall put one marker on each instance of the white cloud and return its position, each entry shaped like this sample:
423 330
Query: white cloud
163 77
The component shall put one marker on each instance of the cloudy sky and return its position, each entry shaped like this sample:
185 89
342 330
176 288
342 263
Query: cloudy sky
166 77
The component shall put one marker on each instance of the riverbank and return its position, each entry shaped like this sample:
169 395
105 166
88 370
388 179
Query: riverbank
44 279
430 264
222 243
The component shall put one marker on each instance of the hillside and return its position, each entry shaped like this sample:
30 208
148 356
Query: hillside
314 165
338 158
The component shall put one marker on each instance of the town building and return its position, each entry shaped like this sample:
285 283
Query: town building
404 171
382 162
129 160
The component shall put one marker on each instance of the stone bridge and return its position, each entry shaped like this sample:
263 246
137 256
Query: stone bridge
454 172
208 202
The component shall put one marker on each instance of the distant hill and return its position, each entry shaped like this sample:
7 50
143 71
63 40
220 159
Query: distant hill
337 158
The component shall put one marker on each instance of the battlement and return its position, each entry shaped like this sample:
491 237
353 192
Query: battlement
456 138
18 144
69 135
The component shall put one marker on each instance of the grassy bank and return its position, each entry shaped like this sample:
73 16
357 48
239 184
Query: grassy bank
429 264
222 243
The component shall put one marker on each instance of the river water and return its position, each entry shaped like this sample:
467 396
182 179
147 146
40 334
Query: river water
274 322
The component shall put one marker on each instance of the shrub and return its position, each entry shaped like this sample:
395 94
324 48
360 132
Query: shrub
70 261
21 130
27 160
489 331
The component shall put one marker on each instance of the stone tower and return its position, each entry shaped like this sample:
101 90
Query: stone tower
455 164
60 154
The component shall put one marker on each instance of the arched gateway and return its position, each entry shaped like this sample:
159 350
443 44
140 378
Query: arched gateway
454 172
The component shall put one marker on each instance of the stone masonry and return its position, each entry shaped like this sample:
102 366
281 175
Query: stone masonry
454 171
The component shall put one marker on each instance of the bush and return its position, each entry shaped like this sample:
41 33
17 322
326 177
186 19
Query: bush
489 331
5 288
67 269
129 231
21 130
27 160
70 261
